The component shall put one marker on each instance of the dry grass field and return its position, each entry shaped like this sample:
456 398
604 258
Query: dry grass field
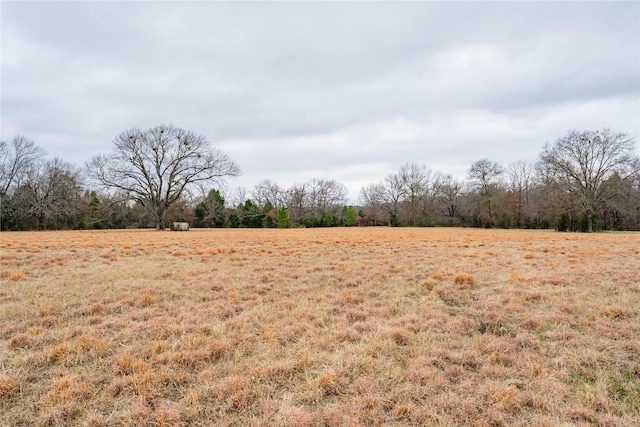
320 327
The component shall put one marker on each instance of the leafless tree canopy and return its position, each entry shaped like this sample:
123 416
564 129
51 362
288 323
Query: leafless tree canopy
315 197
372 198
520 175
155 167
268 191
16 160
590 164
586 181
485 175
48 195
414 178
485 178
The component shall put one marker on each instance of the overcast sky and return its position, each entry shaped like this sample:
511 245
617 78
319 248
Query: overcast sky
342 91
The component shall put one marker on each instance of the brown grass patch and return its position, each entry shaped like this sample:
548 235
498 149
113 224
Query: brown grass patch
400 336
15 275
8 387
464 280
429 283
615 312
67 390
359 326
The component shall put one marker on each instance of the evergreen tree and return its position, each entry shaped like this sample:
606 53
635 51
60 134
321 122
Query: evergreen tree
349 216
283 218
252 215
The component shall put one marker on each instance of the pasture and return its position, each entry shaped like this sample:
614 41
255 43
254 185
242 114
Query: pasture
320 327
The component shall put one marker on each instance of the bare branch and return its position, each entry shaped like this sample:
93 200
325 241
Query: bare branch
587 161
159 165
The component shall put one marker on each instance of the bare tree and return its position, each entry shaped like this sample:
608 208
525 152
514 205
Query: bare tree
325 195
315 198
63 181
296 205
268 191
631 198
520 180
50 195
431 192
17 159
159 165
586 161
549 195
393 193
372 199
485 178
449 194
237 197
413 178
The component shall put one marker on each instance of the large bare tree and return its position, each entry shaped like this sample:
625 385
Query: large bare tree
586 161
157 166
485 177
16 160
414 178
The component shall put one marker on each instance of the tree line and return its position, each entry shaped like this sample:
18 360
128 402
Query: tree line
585 181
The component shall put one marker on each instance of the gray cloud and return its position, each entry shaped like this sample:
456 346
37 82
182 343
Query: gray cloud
345 91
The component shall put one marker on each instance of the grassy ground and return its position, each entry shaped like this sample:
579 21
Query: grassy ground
320 327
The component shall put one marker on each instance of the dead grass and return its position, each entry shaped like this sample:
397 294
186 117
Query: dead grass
363 326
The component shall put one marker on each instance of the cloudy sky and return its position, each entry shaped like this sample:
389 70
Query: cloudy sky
343 91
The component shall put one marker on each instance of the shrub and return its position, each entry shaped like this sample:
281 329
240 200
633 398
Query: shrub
329 219
563 222
505 220
426 222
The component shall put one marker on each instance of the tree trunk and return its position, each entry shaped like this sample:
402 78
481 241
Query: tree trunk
161 213
42 222
490 212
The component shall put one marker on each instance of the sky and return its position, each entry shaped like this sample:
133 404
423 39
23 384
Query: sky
347 91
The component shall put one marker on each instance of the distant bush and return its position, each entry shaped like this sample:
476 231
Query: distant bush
563 222
329 219
426 222
349 216
505 220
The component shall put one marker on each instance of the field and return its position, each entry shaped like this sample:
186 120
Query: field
320 327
